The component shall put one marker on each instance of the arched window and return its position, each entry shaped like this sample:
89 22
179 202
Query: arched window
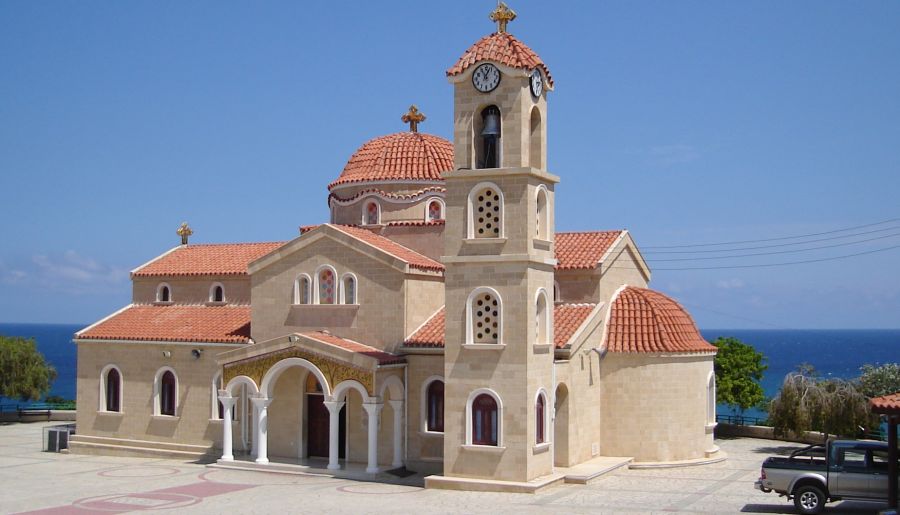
484 316
348 289
540 418
165 392
435 211
217 293
111 389
542 221
434 420
163 293
485 212
711 399
542 318
487 138
371 213
326 285
302 289
485 421
535 153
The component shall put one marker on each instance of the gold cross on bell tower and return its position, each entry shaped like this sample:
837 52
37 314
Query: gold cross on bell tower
185 232
502 15
413 118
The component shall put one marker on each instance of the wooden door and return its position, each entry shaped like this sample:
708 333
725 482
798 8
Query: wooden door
318 428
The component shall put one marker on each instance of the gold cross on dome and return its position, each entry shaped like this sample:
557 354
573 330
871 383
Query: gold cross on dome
413 118
185 232
502 15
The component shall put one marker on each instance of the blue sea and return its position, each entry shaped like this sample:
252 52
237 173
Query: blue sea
834 353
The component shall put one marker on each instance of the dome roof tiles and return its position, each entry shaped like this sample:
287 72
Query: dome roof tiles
503 48
646 321
402 156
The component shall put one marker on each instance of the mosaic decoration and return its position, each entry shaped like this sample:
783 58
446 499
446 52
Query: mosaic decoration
334 371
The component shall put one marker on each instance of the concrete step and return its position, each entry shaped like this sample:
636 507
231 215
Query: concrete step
93 445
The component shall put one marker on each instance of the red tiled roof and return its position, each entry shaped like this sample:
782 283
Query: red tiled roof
407 255
384 358
211 324
889 404
582 250
400 156
207 259
647 321
567 318
503 48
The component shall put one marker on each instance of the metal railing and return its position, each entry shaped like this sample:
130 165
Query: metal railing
741 420
36 406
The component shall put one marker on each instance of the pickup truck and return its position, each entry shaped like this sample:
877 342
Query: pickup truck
838 470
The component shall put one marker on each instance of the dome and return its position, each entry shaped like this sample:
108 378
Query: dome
643 320
503 48
403 156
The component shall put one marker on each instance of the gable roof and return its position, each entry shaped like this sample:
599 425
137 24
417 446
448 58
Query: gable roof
643 320
503 48
391 247
583 250
206 259
384 358
174 323
567 318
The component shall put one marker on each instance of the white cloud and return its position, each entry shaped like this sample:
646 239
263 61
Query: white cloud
74 273
667 155
729 284
11 276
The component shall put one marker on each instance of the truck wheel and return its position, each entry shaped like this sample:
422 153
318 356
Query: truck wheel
809 499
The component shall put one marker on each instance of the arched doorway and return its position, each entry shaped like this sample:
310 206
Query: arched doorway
318 422
561 427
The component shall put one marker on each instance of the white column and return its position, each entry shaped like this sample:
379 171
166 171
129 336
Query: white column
227 405
373 411
397 407
262 422
254 431
334 418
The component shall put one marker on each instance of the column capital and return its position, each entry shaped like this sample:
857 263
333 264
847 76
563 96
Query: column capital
261 402
334 406
227 402
397 405
373 408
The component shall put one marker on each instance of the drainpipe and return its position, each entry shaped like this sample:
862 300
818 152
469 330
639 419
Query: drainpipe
406 414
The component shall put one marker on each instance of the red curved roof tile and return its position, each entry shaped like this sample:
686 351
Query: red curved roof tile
384 358
503 48
208 324
583 250
410 156
888 404
207 259
405 254
644 320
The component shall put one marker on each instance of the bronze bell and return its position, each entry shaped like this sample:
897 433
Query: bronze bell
491 116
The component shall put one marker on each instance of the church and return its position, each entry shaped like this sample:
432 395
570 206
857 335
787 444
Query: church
437 323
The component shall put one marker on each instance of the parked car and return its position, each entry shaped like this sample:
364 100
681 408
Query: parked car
838 470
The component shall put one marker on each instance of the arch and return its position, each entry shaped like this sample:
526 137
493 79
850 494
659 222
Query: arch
536 150
239 381
487 144
349 289
497 430
266 389
541 417
561 426
485 198
111 391
431 419
341 390
325 288
163 293
542 320
490 321
371 213
302 289
165 392
434 209
394 386
711 398
217 292
542 219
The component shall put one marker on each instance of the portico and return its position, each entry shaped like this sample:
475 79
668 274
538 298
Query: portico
311 388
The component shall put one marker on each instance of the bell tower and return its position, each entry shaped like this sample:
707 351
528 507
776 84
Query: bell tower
499 259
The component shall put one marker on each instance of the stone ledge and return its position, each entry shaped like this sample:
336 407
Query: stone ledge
492 485
715 457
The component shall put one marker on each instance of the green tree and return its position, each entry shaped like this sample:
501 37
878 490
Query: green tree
807 402
739 369
24 374
879 381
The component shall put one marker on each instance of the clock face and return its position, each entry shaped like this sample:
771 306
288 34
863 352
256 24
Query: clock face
486 77
537 83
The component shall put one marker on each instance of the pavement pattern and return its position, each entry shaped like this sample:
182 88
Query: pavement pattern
50 483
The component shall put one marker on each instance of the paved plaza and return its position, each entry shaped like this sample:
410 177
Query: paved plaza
39 482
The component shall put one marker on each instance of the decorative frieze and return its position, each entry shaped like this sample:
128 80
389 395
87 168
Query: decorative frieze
334 371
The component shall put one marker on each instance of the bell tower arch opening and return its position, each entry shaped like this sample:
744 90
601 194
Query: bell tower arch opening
486 134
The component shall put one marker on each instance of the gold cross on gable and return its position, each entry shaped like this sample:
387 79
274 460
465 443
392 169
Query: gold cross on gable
502 15
185 232
413 118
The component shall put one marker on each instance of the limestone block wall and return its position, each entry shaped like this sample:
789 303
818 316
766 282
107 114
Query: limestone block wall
287 415
425 450
138 364
423 297
427 240
654 406
191 290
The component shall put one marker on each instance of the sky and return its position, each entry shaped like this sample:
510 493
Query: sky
684 122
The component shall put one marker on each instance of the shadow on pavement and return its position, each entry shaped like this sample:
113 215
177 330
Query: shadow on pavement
846 507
